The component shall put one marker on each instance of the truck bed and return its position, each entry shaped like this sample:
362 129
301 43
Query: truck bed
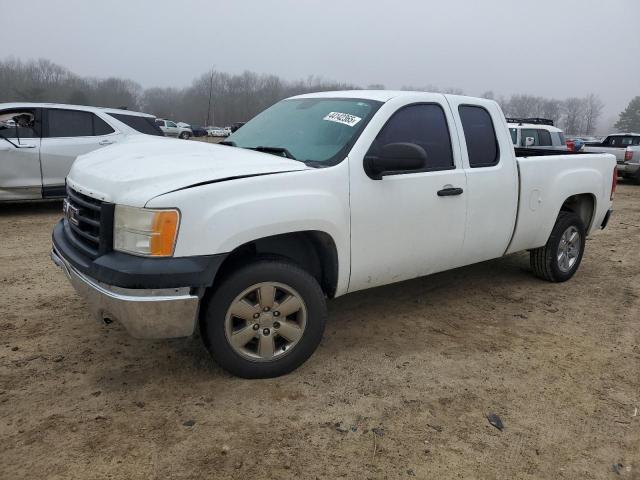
524 152
546 179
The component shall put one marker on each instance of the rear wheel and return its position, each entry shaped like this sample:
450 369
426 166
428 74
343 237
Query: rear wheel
560 258
265 319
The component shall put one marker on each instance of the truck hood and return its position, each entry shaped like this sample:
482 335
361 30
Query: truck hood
139 169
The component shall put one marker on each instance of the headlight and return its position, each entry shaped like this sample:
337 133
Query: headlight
143 231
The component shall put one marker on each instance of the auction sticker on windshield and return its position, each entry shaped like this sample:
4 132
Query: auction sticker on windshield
344 118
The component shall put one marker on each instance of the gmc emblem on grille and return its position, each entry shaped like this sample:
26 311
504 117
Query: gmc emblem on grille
70 212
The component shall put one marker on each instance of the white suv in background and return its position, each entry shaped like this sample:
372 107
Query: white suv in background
40 141
173 129
536 133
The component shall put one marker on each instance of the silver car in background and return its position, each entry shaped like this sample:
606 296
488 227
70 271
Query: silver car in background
40 141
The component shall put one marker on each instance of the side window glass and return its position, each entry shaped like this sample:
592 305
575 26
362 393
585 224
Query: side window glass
482 144
69 123
171 124
147 125
19 123
530 133
100 127
544 138
424 125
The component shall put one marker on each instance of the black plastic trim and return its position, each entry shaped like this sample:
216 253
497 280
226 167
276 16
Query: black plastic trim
606 219
54 191
130 271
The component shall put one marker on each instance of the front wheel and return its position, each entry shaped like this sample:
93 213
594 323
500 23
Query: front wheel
265 319
560 258
185 135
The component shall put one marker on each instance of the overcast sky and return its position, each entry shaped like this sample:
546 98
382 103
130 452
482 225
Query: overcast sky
555 48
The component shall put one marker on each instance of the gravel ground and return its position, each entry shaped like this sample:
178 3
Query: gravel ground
401 385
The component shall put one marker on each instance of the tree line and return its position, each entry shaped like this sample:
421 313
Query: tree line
238 97
234 98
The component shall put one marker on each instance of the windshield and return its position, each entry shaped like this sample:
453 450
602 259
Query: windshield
307 129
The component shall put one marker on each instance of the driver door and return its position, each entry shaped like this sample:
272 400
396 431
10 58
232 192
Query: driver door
20 177
409 224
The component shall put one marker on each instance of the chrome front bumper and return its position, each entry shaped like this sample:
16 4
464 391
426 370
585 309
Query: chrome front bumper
156 313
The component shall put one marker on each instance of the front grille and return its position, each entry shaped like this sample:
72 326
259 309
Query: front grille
88 223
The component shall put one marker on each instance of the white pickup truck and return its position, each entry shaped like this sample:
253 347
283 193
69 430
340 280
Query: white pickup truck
318 196
626 148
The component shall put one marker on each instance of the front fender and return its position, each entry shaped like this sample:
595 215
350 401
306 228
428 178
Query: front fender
219 217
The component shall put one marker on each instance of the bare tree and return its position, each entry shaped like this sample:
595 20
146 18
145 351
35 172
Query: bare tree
574 115
592 111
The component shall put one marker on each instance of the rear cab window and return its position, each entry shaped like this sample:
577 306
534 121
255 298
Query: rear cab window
480 136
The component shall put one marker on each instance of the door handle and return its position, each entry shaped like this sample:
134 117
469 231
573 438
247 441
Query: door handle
450 191
105 142
25 145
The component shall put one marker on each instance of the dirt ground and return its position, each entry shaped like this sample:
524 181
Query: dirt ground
400 386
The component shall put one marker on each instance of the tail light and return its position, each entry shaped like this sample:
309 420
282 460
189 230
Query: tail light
571 145
614 183
628 155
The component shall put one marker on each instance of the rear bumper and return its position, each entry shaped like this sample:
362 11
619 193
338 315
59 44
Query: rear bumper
145 313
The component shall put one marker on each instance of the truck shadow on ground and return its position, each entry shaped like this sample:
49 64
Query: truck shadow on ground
37 207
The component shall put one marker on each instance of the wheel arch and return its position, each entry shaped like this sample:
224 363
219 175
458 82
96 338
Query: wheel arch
583 205
313 250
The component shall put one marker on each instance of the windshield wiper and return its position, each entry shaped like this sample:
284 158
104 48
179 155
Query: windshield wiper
281 151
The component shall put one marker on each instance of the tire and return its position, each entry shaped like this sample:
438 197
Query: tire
185 135
240 292
559 260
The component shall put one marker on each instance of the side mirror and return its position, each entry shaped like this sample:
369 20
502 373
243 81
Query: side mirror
395 158
529 141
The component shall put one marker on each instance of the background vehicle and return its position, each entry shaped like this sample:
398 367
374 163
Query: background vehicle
626 148
236 126
198 131
217 132
589 140
394 185
172 129
535 133
36 156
